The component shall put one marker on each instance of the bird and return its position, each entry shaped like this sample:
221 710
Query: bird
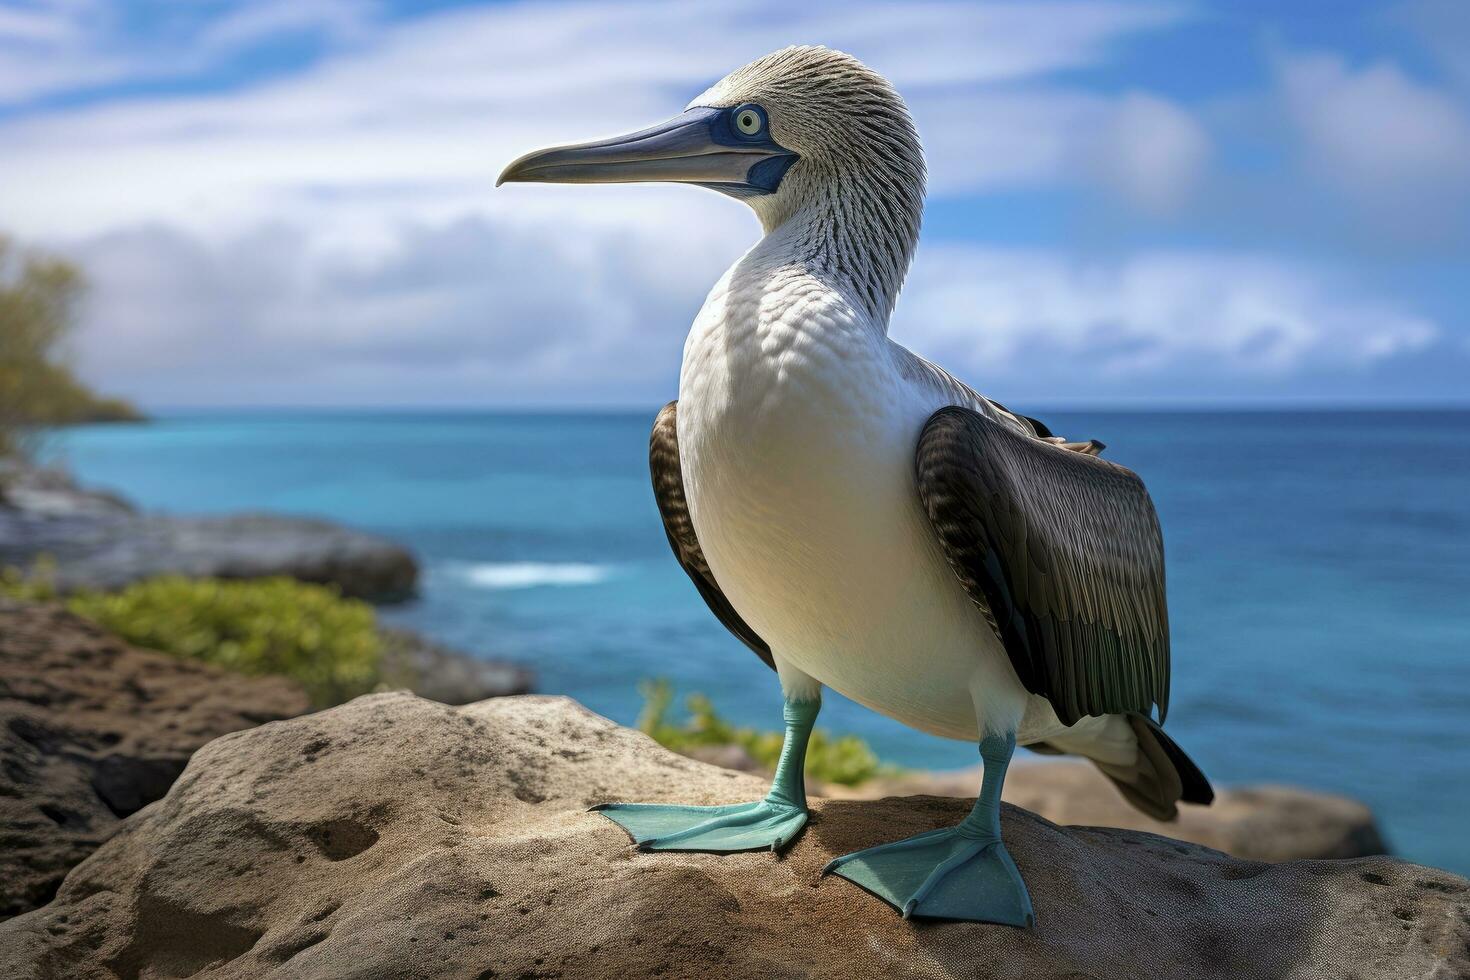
863 520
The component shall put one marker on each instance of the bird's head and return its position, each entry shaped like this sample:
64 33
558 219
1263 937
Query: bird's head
799 127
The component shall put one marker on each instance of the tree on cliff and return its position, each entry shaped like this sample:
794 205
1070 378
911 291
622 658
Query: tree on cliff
38 299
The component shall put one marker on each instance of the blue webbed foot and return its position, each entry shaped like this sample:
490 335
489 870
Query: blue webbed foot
944 874
961 872
765 825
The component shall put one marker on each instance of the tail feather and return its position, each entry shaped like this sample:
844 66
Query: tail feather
1161 776
1158 775
1195 786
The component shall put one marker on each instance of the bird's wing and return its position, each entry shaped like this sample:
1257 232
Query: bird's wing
1062 551
928 375
668 491
936 379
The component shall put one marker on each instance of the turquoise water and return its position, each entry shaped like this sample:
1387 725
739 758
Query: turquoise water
1319 573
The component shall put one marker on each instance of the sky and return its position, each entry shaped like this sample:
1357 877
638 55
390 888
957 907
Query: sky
292 202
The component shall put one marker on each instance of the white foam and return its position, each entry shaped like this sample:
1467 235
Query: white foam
531 574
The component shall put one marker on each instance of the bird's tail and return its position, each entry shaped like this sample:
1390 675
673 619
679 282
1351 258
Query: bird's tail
1153 777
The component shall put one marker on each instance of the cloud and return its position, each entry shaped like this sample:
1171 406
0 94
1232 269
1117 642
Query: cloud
340 21
1146 150
63 47
411 119
45 48
1011 314
472 311
1443 28
1151 151
482 310
1392 146
331 235
56 47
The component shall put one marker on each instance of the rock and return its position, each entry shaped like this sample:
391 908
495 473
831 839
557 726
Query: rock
727 757
51 492
440 673
98 541
398 837
1257 823
92 730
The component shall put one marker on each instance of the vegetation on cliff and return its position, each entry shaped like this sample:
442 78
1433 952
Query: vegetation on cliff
309 633
38 301
843 759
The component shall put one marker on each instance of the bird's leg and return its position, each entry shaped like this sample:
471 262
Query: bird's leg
768 824
961 872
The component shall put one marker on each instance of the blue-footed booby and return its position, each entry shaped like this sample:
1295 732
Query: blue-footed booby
863 520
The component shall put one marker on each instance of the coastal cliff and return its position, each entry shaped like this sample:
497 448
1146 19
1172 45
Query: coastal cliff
92 730
97 540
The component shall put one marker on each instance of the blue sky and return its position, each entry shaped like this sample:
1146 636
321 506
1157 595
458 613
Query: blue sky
291 202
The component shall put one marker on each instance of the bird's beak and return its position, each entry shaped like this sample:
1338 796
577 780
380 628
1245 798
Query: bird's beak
695 147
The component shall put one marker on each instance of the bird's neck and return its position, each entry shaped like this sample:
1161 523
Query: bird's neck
854 233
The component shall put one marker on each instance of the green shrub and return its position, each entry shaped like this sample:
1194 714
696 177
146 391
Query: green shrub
37 585
309 633
845 759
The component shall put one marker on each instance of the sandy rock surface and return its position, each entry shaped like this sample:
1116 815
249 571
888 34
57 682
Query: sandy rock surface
92 730
1258 823
398 837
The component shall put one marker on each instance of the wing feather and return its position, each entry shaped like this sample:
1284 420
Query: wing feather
1063 553
668 492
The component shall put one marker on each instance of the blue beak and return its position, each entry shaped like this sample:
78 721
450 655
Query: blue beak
699 146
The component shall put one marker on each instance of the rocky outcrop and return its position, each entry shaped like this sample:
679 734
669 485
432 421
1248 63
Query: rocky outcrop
92 730
47 492
1257 823
98 541
398 837
441 673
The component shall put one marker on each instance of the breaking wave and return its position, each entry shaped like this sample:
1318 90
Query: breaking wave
531 574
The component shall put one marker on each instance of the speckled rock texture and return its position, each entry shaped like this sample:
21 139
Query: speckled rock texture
92 730
1258 823
398 837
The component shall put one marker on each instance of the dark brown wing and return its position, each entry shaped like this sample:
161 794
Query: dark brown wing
668 490
1062 551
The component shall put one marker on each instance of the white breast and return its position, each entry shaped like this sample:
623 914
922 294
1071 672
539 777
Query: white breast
796 436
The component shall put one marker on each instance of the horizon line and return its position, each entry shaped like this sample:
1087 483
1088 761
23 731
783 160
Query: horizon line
1104 406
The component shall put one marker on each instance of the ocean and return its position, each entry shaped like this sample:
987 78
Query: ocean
1318 563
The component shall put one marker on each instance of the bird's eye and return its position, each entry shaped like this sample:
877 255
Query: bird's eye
749 120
